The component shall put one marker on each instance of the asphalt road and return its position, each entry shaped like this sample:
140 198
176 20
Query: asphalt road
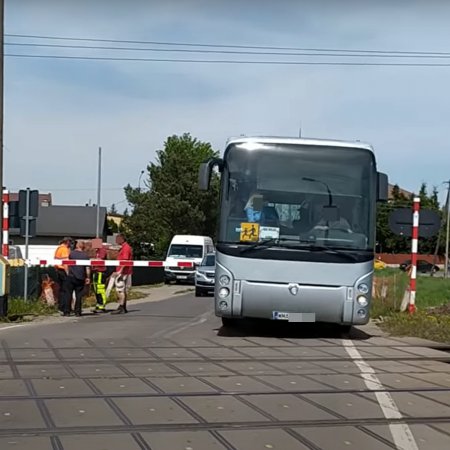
166 376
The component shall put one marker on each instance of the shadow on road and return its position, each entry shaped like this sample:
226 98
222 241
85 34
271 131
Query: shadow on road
267 328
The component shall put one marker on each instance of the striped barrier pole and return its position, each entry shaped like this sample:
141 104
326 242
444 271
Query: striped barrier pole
107 263
5 223
415 245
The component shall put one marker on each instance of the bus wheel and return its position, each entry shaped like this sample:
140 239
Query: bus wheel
345 329
227 322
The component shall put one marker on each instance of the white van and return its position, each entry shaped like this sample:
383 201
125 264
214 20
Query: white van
186 248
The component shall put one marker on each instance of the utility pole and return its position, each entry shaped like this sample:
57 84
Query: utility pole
27 240
447 206
99 188
2 20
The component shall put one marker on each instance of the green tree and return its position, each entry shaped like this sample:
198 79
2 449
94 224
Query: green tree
113 210
173 204
113 227
387 241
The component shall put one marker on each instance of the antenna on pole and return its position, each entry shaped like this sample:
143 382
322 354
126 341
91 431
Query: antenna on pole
99 187
2 19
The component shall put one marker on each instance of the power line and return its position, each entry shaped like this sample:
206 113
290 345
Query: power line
117 203
80 189
231 52
192 44
228 61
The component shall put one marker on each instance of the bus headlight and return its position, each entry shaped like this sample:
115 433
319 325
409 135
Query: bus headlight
223 305
363 288
362 301
224 292
224 280
361 313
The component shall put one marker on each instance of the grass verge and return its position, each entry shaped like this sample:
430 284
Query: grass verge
432 318
133 294
20 310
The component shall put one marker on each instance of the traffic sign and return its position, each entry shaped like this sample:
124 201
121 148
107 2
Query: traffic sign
33 206
401 222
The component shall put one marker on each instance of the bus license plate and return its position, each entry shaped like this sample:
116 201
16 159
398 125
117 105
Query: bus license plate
294 317
277 315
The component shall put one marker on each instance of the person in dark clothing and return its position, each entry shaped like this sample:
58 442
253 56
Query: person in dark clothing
78 277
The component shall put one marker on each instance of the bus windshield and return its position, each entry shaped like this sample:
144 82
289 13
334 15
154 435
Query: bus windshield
304 195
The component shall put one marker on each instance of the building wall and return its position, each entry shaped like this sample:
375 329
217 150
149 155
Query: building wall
38 240
116 219
45 240
44 199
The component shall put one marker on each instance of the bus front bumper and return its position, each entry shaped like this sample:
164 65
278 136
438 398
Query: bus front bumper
295 303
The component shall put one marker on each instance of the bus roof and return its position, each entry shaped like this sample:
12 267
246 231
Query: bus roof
300 141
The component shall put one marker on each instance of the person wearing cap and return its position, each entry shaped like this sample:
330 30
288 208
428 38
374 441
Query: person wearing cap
63 252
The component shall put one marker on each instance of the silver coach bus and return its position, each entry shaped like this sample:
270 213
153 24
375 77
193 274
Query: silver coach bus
297 229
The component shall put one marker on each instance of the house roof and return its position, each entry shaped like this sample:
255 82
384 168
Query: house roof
74 221
402 191
44 199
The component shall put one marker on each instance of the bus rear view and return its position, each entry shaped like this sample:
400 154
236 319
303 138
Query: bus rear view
297 230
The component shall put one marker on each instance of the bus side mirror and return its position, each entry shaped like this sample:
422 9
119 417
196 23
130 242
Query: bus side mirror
383 187
205 171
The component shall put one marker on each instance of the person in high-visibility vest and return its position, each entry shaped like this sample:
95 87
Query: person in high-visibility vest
99 277
63 252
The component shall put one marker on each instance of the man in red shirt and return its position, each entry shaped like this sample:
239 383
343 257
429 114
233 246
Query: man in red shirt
122 275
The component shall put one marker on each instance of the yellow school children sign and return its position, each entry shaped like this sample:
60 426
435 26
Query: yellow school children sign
249 232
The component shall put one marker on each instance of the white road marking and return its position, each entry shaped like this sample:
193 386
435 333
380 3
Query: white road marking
202 319
401 433
166 334
11 326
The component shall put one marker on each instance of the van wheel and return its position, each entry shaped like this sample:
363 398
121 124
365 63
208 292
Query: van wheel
198 292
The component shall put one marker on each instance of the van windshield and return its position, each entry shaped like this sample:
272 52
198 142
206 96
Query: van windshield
210 260
186 251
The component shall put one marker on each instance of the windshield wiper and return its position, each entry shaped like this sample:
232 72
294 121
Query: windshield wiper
265 243
331 250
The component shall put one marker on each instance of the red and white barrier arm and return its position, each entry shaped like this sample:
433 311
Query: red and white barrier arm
107 263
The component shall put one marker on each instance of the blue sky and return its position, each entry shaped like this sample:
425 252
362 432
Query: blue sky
58 112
